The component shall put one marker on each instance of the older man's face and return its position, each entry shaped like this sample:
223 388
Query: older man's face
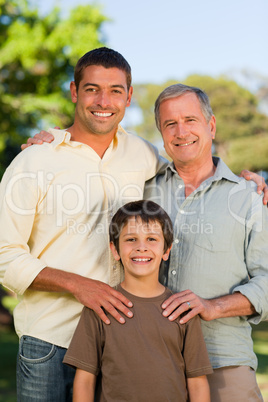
187 135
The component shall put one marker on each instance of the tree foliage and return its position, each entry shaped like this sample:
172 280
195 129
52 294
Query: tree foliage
144 96
242 131
37 56
235 108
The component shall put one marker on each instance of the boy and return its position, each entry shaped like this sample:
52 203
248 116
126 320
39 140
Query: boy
149 358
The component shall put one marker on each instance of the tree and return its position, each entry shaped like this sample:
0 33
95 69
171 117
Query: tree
235 108
37 57
144 96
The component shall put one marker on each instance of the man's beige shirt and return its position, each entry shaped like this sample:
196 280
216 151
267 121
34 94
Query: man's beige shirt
57 201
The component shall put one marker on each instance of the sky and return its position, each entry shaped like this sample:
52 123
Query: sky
171 39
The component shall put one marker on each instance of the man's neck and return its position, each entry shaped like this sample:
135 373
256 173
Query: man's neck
98 142
193 175
143 288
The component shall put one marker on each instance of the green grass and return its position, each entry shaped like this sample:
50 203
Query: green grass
8 353
260 337
9 347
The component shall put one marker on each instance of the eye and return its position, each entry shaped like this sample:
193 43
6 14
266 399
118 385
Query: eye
151 239
91 90
117 91
131 239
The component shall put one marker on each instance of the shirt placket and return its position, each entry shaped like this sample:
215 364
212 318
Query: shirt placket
110 205
183 218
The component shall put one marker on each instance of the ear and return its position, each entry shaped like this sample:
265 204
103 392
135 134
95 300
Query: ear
212 125
114 252
166 255
130 92
73 92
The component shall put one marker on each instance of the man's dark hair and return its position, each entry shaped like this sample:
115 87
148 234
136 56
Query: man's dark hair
107 58
147 211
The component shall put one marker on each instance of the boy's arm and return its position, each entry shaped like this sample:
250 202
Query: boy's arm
84 386
198 389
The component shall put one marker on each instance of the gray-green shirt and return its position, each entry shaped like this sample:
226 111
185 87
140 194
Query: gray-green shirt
220 247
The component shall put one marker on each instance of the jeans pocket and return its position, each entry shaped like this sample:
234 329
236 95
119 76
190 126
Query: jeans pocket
33 350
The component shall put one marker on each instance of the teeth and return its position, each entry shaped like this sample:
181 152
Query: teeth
141 259
100 114
187 143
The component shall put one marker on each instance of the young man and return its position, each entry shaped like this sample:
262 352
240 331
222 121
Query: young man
56 204
149 358
219 261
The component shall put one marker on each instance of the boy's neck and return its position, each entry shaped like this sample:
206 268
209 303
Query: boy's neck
143 288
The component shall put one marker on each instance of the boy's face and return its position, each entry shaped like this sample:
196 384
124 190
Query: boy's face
141 248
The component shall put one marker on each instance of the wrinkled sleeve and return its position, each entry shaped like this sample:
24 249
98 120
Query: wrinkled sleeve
256 257
18 203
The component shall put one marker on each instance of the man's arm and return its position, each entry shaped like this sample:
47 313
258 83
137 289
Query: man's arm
221 307
91 293
84 386
248 299
259 180
21 270
198 389
43 136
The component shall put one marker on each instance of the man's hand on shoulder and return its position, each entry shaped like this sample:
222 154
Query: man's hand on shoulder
93 294
190 304
102 298
38 139
259 180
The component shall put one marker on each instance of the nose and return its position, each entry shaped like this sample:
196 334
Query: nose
181 131
141 246
103 99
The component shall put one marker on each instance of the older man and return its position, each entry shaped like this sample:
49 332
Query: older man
220 247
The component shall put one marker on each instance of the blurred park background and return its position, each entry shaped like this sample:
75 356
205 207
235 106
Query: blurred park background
221 48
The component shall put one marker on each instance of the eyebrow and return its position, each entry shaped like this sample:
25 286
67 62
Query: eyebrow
149 233
185 117
89 84
168 121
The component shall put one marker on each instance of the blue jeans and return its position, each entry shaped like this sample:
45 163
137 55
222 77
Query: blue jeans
41 375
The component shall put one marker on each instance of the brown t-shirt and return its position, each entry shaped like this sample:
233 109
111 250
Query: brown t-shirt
146 359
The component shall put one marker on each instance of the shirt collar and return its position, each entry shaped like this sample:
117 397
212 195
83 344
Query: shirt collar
222 172
63 136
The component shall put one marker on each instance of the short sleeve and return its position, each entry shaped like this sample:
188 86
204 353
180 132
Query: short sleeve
195 352
85 349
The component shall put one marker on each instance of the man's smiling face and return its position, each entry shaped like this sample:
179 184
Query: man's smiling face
186 133
101 99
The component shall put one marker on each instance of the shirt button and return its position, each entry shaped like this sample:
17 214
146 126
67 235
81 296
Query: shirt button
176 241
180 186
182 211
173 272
